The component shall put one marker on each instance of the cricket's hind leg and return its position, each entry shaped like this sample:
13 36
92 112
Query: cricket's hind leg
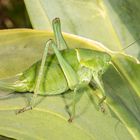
40 75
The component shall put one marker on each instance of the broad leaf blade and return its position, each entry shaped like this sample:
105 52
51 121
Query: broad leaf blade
94 21
123 101
125 18
114 23
89 121
37 15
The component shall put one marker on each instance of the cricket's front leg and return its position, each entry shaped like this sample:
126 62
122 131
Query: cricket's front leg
37 86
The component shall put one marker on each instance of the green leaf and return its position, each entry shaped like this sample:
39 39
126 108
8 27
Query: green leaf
113 23
125 19
37 15
19 49
94 21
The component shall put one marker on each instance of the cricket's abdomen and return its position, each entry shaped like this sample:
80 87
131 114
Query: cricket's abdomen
53 81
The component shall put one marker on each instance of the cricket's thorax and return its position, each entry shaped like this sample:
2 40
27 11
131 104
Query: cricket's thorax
53 80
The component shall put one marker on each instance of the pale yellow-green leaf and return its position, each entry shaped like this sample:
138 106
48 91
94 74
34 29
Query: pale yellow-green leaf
114 23
84 18
49 119
37 15
125 18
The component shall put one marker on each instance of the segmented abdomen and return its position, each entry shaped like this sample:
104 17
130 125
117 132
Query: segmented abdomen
53 80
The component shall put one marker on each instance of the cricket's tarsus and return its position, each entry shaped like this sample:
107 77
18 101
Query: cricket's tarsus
73 67
70 120
24 109
56 20
102 108
102 100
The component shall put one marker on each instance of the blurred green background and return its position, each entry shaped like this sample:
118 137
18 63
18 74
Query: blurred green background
13 14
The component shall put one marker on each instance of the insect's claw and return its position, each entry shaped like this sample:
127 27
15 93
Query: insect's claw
102 108
24 109
70 120
101 104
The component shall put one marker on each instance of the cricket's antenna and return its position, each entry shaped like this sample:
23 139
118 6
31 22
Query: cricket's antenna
131 44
